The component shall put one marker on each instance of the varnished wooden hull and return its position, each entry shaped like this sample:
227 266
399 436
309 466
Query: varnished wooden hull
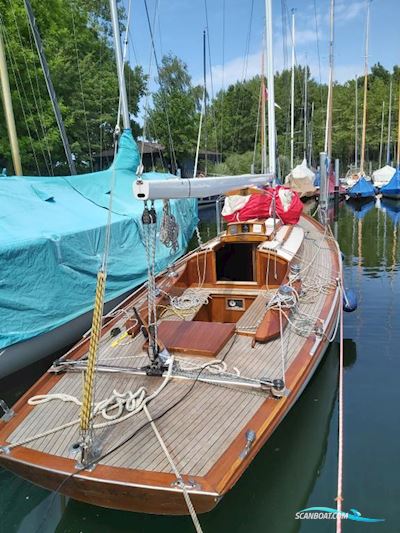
155 491
123 496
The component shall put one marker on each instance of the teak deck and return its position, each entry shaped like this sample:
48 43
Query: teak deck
205 431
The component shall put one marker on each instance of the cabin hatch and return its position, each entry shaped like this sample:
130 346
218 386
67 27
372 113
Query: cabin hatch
236 262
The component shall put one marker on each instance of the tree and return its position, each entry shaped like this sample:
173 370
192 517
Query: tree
174 117
78 48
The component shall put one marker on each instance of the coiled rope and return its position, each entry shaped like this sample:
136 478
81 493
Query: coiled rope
130 402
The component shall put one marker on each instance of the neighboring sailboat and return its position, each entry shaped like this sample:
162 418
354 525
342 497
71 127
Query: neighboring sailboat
363 188
301 179
194 371
392 189
383 175
53 230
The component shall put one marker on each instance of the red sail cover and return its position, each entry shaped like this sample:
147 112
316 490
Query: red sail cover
260 206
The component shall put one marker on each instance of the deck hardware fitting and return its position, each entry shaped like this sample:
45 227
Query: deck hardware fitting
90 452
250 439
190 484
8 412
5 449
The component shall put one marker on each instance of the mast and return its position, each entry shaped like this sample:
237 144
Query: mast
389 122
398 136
329 106
381 141
311 135
365 93
120 66
305 110
205 102
271 90
356 127
292 96
263 128
8 109
50 87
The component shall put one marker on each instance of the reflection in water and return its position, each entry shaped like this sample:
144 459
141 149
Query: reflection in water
298 466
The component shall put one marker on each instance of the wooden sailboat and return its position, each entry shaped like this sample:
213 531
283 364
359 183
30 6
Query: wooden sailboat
191 375
212 417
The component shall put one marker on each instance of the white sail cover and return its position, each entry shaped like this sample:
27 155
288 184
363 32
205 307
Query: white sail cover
301 180
301 171
383 175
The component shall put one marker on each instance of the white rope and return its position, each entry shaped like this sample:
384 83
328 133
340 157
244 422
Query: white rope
128 401
190 299
180 482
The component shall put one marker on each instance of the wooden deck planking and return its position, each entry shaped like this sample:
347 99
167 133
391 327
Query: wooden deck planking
198 430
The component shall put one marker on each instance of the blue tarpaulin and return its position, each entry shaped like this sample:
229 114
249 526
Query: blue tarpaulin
361 189
393 187
52 239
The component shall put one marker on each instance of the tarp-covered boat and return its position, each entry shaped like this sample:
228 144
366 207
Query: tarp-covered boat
362 189
383 175
301 180
392 189
51 242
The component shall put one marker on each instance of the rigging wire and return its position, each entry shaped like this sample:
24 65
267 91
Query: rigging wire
43 128
40 100
236 134
163 92
146 104
318 52
48 163
13 69
223 80
85 114
212 110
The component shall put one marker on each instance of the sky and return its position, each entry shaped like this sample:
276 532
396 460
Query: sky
236 52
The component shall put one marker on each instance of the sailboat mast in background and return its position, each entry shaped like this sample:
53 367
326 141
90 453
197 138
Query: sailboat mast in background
398 136
292 95
310 141
381 139
305 109
50 87
205 104
362 160
329 104
356 127
271 90
263 128
8 108
389 122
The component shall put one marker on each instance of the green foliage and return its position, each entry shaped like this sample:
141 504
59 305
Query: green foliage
232 117
78 48
174 118
237 164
